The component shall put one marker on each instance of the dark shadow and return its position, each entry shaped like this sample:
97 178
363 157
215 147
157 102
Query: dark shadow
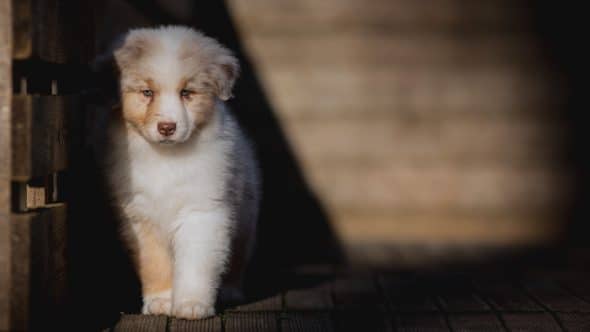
560 30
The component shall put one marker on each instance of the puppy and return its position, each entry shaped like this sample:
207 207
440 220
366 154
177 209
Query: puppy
183 175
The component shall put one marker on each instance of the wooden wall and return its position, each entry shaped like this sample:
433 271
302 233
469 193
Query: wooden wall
44 48
5 162
417 122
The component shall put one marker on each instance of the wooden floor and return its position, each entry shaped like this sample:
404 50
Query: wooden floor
497 298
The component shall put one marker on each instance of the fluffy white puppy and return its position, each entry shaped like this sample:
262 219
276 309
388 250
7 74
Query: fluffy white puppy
183 175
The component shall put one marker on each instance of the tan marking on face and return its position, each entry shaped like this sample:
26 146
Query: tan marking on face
137 108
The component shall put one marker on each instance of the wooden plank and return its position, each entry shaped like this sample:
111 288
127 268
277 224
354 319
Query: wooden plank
273 303
437 139
410 91
259 321
39 288
361 321
543 186
504 296
459 296
575 322
316 298
5 160
40 135
357 293
307 16
391 53
531 322
306 322
480 322
406 296
212 324
554 297
414 322
53 30
576 282
141 323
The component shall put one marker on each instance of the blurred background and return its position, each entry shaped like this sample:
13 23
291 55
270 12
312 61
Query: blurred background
426 128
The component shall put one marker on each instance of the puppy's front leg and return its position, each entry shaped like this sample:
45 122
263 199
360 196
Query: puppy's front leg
201 247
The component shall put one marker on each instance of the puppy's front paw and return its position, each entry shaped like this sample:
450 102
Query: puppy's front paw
159 304
193 310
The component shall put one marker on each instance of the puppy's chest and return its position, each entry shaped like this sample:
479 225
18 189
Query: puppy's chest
165 186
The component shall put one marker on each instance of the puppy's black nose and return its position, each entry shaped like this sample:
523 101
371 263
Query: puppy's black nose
166 128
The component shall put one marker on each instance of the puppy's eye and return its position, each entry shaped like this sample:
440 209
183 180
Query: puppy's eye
148 93
186 93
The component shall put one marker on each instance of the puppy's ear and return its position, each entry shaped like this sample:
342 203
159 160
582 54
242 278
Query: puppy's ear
132 47
224 71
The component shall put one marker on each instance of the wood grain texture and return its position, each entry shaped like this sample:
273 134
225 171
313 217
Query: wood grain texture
555 297
40 135
53 30
532 321
273 303
5 159
306 322
254 322
203 325
418 107
140 323
357 293
408 322
481 322
505 296
316 298
575 322
361 321
39 284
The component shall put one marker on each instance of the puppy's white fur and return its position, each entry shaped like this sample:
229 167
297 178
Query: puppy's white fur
189 201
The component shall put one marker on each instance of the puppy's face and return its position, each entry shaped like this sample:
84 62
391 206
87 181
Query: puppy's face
171 78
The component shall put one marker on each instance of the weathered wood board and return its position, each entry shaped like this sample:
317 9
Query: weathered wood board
39 280
5 162
39 145
55 31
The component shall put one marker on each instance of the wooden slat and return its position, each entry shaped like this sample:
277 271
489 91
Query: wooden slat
575 322
458 296
481 322
53 30
357 293
39 291
286 18
404 296
39 135
316 298
273 303
531 322
412 322
435 140
5 160
504 296
141 323
236 322
306 322
577 283
554 297
212 324
361 321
